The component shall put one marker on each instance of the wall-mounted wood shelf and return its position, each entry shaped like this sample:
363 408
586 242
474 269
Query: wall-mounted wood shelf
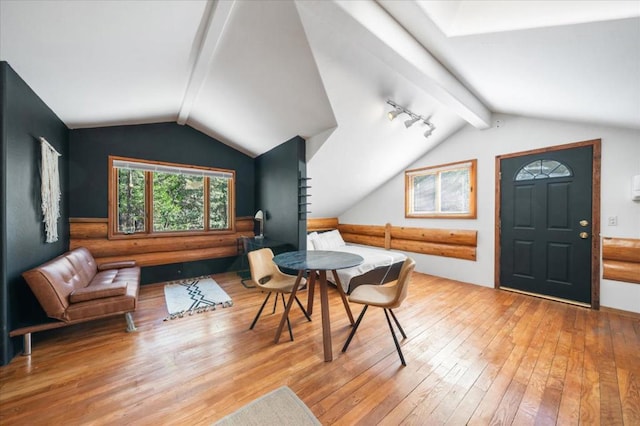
303 188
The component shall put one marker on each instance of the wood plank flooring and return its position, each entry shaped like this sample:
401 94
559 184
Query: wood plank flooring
475 356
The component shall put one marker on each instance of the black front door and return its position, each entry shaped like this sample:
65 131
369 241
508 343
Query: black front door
545 223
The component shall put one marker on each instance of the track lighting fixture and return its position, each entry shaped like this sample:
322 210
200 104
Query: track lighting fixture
413 117
393 114
410 122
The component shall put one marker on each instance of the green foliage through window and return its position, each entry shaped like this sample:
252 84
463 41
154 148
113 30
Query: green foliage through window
218 203
177 195
178 202
131 205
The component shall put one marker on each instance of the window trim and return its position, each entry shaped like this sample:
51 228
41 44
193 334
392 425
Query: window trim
408 193
113 232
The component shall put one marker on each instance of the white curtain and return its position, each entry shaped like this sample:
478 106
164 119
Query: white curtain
50 190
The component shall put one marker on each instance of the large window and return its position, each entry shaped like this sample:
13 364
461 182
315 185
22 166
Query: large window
446 191
163 199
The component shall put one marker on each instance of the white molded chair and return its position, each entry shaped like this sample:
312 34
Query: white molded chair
387 297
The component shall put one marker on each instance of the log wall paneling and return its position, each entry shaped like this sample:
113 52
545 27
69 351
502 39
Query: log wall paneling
322 224
443 236
372 230
460 244
100 247
363 239
167 257
370 235
85 229
92 233
621 259
445 250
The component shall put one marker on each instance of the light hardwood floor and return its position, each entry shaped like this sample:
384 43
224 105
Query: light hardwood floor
475 356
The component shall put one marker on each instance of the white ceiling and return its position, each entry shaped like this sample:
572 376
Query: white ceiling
253 74
586 71
458 17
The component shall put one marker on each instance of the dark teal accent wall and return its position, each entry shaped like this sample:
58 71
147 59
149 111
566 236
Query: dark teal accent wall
89 151
170 142
277 180
5 350
25 117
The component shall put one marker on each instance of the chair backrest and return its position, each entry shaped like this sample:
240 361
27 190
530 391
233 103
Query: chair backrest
402 285
262 266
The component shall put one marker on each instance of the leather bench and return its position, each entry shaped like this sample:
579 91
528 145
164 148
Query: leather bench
73 288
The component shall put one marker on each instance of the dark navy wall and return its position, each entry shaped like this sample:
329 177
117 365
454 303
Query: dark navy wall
277 179
89 150
170 142
4 299
25 118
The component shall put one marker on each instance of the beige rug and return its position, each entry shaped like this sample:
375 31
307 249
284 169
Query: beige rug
280 407
194 295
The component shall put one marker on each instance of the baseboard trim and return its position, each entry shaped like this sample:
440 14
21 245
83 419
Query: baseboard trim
542 296
634 315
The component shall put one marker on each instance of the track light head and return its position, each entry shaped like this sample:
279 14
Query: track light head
393 114
411 122
429 130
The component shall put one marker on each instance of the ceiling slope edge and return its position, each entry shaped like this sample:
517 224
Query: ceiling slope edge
216 16
374 29
315 142
261 87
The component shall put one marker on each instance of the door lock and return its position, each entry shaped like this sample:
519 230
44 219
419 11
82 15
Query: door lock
584 222
584 235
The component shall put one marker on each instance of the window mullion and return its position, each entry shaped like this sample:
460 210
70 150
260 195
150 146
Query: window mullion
148 199
207 192
438 192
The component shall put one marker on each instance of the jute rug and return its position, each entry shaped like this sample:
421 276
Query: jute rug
280 407
194 295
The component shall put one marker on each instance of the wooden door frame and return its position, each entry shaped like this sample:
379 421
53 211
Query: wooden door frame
595 210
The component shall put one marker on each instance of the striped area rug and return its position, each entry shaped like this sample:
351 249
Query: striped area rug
194 295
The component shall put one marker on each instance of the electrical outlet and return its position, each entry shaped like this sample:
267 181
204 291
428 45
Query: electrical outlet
613 221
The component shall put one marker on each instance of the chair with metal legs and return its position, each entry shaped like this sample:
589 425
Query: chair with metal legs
387 297
266 276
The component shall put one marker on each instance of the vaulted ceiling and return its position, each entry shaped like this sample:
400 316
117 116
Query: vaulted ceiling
253 74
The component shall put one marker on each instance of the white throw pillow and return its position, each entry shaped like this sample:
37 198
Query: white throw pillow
329 240
311 238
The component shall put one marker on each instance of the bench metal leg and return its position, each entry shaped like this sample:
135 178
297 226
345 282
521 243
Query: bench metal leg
130 324
27 344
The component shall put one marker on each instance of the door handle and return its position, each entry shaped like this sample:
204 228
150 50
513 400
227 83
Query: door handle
584 235
584 222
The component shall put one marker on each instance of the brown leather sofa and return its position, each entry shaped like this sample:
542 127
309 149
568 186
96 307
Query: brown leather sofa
72 288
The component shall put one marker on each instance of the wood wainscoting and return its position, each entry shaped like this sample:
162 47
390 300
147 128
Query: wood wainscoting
460 244
322 224
621 259
157 250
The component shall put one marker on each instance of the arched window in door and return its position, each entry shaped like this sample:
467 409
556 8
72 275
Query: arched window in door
543 169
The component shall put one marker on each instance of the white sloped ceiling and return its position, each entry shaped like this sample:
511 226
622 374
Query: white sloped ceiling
254 74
